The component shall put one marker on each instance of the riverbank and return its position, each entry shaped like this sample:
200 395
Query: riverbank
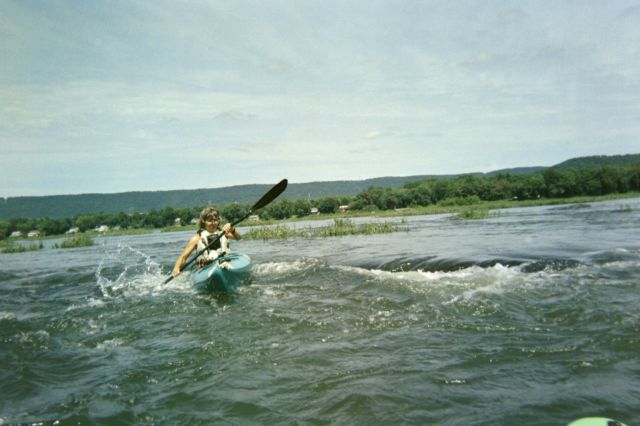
470 211
435 209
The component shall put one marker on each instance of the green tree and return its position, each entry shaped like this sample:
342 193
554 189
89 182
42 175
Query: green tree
610 181
589 183
301 208
153 219
441 189
25 225
469 185
552 183
54 227
235 211
388 200
280 209
367 198
532 186
4 230
633 175
328 205
122 220
420 195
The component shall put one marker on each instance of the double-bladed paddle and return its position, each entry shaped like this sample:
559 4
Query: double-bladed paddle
266 199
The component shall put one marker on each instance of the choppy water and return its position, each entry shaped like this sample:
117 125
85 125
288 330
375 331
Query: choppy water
529 317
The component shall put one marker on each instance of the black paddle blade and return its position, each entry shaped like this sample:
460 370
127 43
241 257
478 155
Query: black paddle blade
271 195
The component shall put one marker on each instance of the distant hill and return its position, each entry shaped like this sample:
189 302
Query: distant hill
516 171
599 160
61 206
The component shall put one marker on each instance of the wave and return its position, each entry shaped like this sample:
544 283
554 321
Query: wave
7 316
525 262
464 282
129 272
435 264
295 267
7 276
436 268
453 280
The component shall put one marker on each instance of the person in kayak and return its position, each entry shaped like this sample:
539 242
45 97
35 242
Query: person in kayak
208 230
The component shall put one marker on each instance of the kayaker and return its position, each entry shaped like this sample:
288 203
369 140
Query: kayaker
208 230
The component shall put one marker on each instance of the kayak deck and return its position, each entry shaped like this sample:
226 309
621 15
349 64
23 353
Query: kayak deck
226 273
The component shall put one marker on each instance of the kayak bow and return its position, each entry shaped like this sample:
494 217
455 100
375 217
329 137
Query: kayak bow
225 273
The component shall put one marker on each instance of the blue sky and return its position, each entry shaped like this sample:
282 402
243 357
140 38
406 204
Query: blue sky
112 96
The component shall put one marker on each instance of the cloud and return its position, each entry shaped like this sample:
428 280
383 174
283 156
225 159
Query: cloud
374 134
235 116
314 88
630 12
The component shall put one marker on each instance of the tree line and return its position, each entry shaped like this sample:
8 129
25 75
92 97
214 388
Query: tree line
466 189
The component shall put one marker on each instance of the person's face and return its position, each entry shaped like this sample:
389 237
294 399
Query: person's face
212 223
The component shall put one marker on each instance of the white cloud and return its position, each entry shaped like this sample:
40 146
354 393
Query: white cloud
374 134
314 88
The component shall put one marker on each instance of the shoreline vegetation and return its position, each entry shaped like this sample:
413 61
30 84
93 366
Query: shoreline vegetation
466 196
340 227
476 210
342 222
81 240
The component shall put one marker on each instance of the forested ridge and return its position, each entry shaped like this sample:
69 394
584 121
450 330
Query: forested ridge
585 176
64 206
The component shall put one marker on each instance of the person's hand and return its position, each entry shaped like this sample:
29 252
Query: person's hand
228 230
203 261
176 271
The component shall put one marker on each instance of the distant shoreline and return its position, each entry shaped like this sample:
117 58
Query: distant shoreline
418 211
409 211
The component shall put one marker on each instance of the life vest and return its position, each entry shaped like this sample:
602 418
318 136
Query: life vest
218 248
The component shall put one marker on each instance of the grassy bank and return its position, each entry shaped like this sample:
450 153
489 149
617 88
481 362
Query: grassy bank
81 240
12 247
471 213
339 227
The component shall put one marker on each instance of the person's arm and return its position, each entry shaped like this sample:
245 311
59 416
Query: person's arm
191 245
231 233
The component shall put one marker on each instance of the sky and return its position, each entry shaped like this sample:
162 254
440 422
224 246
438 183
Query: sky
112 96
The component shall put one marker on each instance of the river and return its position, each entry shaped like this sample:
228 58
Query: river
529 317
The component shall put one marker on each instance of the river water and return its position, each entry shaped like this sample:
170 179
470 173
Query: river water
530 317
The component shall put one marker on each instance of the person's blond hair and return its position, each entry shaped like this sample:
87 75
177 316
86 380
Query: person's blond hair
208 213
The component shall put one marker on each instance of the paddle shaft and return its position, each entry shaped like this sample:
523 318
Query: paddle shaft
266 199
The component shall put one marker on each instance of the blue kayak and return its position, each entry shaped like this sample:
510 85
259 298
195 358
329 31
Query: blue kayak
226 273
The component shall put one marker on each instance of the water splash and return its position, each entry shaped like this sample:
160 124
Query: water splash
7 316
129 272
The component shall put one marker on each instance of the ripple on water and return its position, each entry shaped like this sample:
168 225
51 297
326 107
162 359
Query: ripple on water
442 332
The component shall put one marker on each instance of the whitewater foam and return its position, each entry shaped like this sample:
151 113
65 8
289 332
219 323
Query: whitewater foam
138 275
283 268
